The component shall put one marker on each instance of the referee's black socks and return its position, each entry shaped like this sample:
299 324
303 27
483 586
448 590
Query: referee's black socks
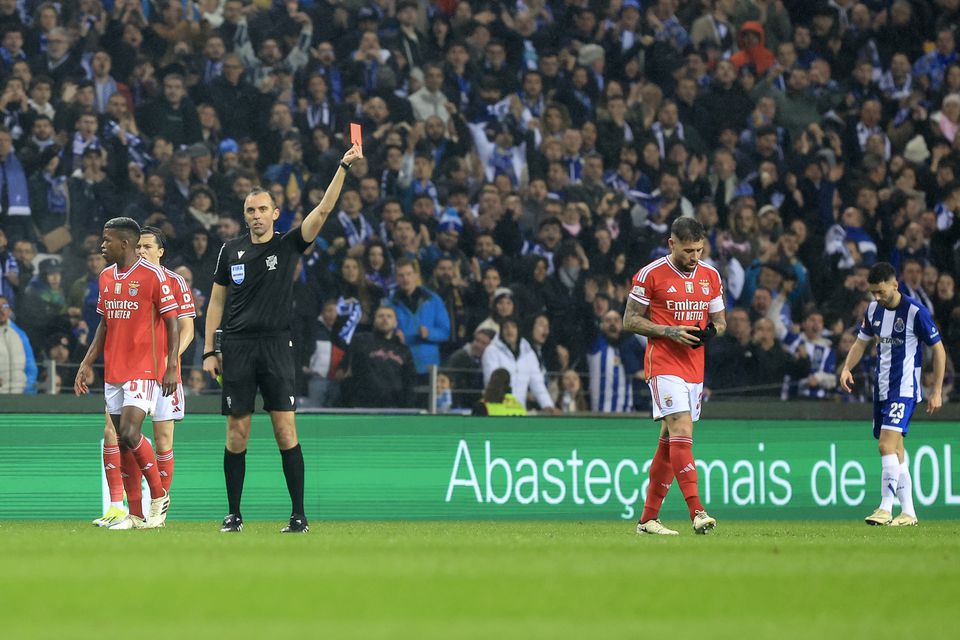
234 468
293 471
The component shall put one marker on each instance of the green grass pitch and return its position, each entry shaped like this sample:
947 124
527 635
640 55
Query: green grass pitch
497 580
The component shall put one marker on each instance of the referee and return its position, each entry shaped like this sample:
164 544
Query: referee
257 351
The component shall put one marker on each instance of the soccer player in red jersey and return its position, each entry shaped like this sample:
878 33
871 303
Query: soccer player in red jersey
677 302
138 337
168 409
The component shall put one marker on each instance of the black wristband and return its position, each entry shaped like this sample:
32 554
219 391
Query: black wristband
345 166
208 354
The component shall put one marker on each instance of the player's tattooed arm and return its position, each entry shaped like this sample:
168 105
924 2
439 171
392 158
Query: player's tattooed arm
635 320
719 320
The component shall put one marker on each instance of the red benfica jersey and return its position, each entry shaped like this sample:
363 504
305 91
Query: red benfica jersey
133 304
185 306
678 299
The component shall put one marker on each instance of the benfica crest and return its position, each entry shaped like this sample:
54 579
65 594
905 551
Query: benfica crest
133 287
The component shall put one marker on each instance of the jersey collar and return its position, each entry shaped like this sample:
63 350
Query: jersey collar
122 276
686 276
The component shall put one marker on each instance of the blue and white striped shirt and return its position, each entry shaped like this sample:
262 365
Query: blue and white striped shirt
611 381
899 353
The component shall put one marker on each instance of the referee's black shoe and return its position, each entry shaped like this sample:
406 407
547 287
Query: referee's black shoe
233 523
298 524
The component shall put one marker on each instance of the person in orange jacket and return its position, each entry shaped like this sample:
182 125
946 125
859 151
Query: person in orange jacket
752 48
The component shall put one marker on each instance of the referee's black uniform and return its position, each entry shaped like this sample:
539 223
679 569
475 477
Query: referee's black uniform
257 344
257 352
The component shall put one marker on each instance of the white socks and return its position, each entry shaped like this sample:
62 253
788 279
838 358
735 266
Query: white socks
889 480
905 491
118 505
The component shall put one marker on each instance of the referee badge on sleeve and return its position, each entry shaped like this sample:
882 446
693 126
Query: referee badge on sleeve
237 273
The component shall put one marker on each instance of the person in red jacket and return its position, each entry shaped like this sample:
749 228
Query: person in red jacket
752 48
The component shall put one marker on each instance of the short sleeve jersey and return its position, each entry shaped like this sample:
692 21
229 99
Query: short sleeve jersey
900 332
678 299
186 308
133 305
259 281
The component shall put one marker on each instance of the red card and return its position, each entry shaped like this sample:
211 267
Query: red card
356 135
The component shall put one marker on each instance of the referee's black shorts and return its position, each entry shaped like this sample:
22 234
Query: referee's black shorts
257 362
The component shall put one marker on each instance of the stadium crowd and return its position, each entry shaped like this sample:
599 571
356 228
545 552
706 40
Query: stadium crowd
523 159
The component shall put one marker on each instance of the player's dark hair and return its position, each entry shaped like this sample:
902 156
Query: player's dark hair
881 272
257 191
124 225
687 230
156 233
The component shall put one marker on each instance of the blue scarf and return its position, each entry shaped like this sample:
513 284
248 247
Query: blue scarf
353 236
502 163
574 168
102 93
417 188
335 82
8 58
353 311
658 133
15 180
80 145
136 147
56 194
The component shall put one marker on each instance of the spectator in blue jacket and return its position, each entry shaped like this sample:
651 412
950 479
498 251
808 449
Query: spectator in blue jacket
421 317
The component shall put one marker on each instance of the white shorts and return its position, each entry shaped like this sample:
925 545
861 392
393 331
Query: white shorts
672 394
135 393
168 407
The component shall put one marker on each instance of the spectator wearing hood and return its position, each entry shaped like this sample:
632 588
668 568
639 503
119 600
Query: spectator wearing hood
753 49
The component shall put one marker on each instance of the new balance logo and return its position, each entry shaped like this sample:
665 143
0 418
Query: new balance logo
672 289
690 467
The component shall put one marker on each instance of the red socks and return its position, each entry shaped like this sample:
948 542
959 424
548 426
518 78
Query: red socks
685 469
131 482
111 466
165 464
147 461
661 477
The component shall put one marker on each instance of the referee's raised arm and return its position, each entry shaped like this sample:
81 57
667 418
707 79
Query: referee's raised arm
311 225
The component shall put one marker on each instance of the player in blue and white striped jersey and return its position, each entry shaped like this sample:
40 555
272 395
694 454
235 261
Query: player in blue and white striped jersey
902 326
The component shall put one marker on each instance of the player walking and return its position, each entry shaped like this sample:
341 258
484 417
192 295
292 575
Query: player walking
123 473
900 324
139 310
683 298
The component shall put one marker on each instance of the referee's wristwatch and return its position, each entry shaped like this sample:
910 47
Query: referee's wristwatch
345 166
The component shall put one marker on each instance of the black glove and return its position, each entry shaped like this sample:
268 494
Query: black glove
705 334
